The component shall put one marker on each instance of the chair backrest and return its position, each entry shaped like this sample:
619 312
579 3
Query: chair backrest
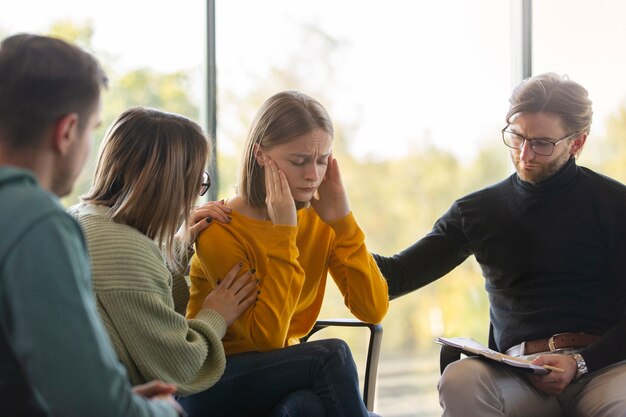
373 353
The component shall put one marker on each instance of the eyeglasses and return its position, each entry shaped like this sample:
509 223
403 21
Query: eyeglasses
206 183
544 147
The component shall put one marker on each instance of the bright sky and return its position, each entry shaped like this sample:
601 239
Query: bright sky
408 72
137 31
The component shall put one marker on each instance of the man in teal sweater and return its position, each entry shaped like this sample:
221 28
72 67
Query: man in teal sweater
55 357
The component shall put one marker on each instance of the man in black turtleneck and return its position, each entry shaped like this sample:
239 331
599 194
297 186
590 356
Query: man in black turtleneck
551 243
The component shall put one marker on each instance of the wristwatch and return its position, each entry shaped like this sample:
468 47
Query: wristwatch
581 366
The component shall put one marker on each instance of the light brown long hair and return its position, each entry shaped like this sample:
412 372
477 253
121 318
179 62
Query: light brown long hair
282 118
149 172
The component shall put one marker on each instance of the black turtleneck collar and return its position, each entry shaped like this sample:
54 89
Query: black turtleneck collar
563 177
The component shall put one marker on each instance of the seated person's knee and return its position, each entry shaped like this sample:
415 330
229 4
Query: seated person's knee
461 373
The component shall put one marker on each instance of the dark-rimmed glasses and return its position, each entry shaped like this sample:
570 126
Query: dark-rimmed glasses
206 183
544 147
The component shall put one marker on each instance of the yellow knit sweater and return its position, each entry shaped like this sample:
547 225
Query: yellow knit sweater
292 264
135 295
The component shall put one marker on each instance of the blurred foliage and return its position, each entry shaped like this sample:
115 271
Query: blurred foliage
137 87
608 155
79 33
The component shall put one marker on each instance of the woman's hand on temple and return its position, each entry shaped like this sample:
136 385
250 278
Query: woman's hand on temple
332 202
233 295
280 205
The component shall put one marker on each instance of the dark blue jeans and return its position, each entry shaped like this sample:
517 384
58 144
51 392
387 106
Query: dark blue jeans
280 383
303 403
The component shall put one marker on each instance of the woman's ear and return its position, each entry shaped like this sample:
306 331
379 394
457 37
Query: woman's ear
259 155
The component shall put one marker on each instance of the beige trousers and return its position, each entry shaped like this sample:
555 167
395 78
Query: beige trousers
474 387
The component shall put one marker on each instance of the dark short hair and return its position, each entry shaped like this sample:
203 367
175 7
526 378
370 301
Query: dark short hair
41 80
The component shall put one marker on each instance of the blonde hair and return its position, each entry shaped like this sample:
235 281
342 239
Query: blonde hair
555 94
149 173
282 118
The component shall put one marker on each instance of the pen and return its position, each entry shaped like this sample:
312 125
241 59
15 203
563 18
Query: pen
549 367
553 368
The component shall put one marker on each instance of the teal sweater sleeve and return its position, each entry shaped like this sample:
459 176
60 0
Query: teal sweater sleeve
53 326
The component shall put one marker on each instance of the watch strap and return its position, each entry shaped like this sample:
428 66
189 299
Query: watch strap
581 366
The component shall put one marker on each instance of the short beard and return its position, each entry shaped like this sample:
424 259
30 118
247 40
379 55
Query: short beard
547 171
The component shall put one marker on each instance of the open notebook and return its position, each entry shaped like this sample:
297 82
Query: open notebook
473 348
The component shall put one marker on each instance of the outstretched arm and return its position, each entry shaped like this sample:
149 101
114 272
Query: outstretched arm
428 259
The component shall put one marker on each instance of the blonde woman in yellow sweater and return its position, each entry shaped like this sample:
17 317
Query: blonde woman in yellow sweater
292 224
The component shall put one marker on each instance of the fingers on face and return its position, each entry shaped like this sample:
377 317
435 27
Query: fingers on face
276 178
284 184
331 162
268 179
333 168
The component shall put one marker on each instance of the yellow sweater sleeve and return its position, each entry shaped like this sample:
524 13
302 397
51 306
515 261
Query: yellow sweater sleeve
356 274
273 253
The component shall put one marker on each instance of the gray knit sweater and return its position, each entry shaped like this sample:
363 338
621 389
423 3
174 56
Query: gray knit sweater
140 302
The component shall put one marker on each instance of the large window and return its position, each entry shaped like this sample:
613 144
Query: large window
154 54
405 74
584 40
